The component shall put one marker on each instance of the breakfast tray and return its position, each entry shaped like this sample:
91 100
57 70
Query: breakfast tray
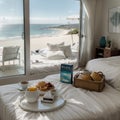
89 84
40 106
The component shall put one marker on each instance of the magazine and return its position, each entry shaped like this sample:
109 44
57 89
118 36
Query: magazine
66 73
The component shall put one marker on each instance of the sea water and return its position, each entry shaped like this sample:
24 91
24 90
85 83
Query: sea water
10 31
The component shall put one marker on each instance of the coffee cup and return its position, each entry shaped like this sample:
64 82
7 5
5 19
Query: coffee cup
31 96
23 85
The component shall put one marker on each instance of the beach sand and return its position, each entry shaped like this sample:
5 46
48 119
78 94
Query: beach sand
41 42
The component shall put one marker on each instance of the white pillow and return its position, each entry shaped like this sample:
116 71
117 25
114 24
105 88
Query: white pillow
115 82
67 50
54 47
75 46
55 55
43 52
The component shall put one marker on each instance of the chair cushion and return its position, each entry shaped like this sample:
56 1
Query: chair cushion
54 47
67 50
55 55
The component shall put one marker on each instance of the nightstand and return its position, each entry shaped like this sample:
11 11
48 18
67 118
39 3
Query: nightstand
106 52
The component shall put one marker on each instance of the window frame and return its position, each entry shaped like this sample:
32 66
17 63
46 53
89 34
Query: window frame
25 76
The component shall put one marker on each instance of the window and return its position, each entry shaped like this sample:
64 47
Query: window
54 38
11 38
54 35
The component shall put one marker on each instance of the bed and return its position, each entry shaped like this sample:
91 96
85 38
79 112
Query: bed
80 104
109 66
46 61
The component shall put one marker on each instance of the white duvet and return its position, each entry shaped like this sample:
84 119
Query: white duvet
42 65
80 104
110 68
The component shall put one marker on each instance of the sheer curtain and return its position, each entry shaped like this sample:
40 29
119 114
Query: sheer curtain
87 43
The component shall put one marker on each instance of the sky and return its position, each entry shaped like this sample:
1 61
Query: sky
41 11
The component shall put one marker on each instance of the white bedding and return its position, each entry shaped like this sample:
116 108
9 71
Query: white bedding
80 104
41 65
109 66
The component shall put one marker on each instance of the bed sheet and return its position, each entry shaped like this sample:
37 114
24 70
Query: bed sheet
80 104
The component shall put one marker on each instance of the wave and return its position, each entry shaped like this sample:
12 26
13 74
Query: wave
10 38
53 33
12 31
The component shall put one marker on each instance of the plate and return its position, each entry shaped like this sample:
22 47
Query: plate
42 92
53 91
40 106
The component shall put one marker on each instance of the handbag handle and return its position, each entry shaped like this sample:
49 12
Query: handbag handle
100 73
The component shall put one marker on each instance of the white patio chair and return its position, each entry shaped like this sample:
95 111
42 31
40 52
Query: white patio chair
10 53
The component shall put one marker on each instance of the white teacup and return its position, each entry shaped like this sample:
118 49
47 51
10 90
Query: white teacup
31 96
23 84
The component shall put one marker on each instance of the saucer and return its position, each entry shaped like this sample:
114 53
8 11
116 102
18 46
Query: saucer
40 106
21 89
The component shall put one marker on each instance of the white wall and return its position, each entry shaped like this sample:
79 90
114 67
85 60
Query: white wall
101 24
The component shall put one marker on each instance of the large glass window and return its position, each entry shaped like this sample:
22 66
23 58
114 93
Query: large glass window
11 37
54 33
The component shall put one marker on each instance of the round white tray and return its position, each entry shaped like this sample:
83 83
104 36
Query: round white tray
40 106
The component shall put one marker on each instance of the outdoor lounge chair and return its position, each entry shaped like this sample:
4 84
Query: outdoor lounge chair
10 53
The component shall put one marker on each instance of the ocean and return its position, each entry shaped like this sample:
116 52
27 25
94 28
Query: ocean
11 31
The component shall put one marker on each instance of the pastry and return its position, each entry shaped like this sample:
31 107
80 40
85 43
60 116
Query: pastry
48 97
32 89
97 76
84 76
44 86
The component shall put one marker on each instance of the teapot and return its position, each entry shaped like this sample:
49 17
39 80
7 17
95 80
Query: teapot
32 94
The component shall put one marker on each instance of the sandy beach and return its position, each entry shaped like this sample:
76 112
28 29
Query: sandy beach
37 43
41 42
